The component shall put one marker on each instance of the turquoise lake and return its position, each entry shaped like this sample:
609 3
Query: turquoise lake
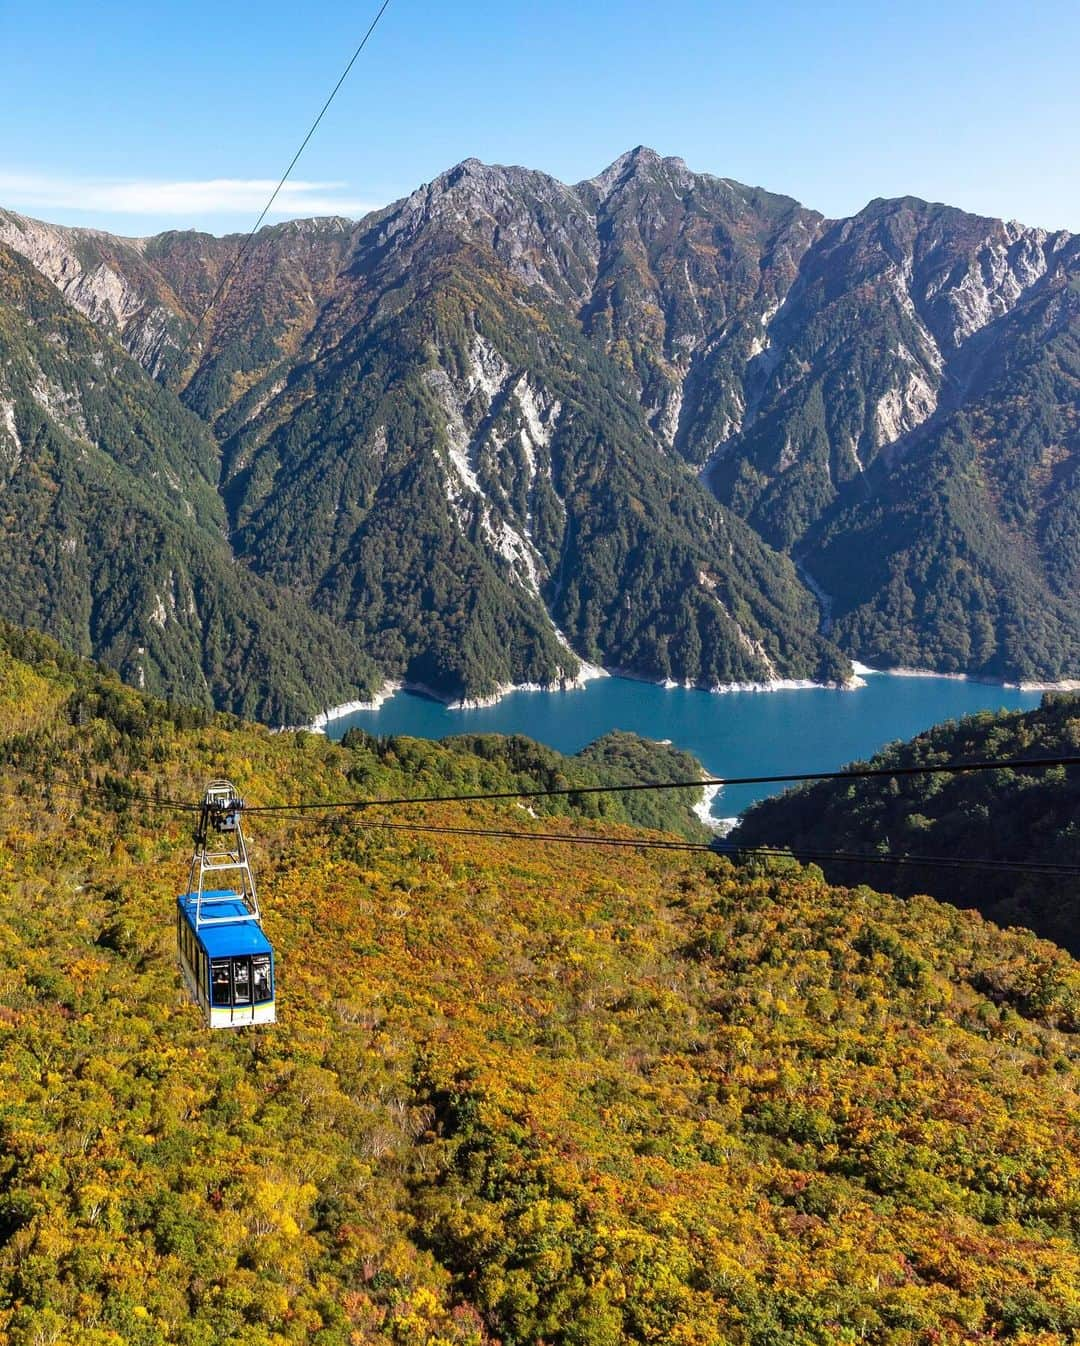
733 733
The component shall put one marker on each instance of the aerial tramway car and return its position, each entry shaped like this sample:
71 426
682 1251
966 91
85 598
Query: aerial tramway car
225 957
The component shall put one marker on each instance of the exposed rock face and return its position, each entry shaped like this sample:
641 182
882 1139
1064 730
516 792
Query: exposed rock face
537 228
10 443
691 269
540 384
900 409
480 455
99 292
868 338
1009 261
105 278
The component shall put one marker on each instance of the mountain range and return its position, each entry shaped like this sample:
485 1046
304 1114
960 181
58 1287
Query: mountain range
658 421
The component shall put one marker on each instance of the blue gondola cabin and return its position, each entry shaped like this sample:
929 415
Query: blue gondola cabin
228 963
224 955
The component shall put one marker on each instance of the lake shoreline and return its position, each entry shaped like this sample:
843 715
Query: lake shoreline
732 736
586 674
851 684
377 701
1065 685
590 672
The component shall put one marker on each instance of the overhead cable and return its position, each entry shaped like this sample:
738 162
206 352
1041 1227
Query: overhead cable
245 247
108 794
734 852
858 773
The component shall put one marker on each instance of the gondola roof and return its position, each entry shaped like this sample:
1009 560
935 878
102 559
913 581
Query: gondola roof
241 935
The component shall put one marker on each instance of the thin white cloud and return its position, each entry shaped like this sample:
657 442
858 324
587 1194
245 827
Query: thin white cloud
215 196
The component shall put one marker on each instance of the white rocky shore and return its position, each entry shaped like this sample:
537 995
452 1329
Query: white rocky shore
385 692
1066 685
722 688
586 673
703 809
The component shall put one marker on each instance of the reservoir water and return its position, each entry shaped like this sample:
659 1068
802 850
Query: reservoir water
733 733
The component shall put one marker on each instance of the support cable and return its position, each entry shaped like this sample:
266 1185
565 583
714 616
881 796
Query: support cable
107 796
858 773
733 852
245 247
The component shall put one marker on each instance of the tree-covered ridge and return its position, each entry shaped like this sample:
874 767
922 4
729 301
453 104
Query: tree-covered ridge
518 1093
472 473
48 696
616 758
419 440
1009 815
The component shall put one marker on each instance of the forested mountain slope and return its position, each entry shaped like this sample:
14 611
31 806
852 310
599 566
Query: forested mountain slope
477 429
112 533
518 1093
1011 815
417 437
965 556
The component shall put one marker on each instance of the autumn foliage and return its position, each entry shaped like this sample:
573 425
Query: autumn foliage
519 1092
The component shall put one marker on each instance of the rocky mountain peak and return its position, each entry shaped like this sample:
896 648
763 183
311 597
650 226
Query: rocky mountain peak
527 359
640 164
534 223
960 271
471 169
472 176
472 190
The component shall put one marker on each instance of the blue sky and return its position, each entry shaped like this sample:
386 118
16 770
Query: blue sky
136 118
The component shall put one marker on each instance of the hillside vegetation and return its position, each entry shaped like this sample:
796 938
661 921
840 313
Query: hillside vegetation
519 1092
1008 815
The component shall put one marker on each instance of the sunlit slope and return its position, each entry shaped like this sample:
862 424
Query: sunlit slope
519 1092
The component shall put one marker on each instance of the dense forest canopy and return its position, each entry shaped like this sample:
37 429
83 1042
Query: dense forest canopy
1008 815
519 1092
